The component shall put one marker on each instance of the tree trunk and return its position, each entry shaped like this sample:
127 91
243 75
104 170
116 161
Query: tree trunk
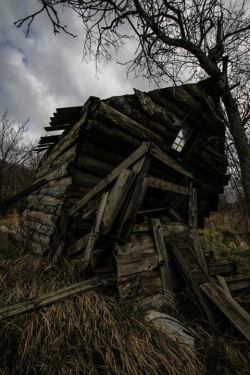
240 140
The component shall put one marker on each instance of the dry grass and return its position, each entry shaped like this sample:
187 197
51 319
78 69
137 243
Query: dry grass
86 334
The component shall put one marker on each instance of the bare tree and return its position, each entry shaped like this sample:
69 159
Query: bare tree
15 156
175 39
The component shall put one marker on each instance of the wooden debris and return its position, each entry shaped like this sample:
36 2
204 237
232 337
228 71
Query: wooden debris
50 298
163 255
229 307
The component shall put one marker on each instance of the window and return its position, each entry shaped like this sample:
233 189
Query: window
182 138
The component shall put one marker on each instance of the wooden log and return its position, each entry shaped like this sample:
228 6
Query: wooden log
152 109
81 178
40 228
65 142
56 188
112 135
165 100
229 307
158 183
111 177
39 217
162 254
92 166
97 148
46 200
50 298
67 156
124 122
59 172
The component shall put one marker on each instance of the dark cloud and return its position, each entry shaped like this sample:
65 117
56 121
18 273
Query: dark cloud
44 72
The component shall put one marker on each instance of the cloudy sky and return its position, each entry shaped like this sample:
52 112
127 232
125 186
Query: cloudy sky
44 72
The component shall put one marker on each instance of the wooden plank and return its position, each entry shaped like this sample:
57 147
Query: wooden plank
236 283
50 298
199 300
137 154
223 285
192 207
49 139
222 268
116 198
229 307
162 254
194 236
94 232
158 183
167 160
133 206
56 128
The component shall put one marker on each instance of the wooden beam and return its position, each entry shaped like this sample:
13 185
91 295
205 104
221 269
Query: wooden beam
95 232
136 197
236 283
201 303
192 207
56 128
50 298
48 139
229 307
116 198
103 184
158 183
163 255
222 268
156 152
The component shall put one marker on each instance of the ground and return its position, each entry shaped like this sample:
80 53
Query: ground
93 334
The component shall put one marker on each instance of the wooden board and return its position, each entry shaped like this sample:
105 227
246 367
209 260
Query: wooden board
170 162
158 183
48 299
116 198
185 271
162 254
229 307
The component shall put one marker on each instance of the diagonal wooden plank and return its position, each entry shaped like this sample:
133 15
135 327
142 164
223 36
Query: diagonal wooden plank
50 298
135 198
137 154
95 231
238 316
116 198
156 152
201 303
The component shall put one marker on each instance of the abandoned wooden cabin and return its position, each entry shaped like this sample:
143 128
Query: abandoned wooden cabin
127 176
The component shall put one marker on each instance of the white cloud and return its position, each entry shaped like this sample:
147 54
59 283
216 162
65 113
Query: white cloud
44 72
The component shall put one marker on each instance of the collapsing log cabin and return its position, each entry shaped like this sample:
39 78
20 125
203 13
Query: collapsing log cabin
129 177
